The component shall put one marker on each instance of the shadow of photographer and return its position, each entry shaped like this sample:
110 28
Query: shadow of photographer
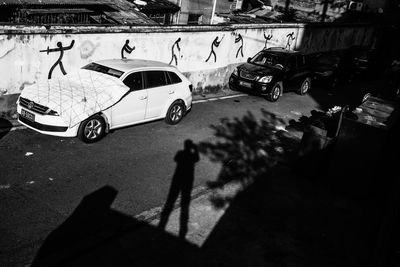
181 184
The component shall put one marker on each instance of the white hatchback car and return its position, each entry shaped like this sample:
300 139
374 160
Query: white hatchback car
105 95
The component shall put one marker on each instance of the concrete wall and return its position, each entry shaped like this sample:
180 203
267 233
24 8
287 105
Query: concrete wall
22 62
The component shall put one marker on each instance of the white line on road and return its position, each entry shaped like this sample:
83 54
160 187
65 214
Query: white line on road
218 98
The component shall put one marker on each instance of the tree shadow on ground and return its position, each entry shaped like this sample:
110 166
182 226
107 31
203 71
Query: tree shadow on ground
279 217
247 148
5 127
276 217
97 235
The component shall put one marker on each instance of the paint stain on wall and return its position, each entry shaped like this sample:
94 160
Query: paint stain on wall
87 49
22 86
6 48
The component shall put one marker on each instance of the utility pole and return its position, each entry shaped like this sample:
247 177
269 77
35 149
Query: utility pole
179 12
213 11
324 10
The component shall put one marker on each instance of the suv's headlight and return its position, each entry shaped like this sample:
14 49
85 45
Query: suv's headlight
265 79
235 72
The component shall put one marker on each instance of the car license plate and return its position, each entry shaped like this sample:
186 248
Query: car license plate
27 115
245 84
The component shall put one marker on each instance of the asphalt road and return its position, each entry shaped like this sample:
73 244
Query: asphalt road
43 178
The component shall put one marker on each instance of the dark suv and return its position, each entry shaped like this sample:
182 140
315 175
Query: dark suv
271 71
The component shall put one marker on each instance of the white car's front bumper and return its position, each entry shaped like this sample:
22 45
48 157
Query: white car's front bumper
47 124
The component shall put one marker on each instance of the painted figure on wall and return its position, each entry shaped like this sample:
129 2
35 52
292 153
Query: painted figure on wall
174 57
290 38
215 43
238 39
126 48
60 49
267 38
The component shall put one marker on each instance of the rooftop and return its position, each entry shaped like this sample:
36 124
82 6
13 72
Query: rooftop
54 2
159 5
124 12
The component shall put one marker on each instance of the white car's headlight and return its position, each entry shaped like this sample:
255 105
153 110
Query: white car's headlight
235 72
265 79
51 112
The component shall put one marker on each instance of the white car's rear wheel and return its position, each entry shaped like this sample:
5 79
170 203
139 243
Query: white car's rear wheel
92 129
175 113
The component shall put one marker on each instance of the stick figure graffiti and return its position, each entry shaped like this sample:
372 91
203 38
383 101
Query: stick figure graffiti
174 57
237 40
126 48
60 49
290 39
216 44
267 38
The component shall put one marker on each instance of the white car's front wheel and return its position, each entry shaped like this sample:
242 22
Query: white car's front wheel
92 129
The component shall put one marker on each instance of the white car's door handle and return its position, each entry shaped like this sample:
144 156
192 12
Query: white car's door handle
143 97
171 92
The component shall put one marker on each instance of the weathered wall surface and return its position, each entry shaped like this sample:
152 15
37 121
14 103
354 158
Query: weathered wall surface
206 54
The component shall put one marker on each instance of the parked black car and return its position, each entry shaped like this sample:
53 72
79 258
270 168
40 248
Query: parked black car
272 71
343 67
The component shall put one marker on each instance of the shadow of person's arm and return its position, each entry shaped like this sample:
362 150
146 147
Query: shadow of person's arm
196 156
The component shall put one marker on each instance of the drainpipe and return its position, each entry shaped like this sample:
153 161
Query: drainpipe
179 13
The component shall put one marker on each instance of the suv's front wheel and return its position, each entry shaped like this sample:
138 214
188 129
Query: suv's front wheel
305 86
276 92
175 112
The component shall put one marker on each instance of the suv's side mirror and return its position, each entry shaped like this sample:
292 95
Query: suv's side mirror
248 59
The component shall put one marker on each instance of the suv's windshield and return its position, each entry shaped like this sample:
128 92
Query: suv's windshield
103 69
268 59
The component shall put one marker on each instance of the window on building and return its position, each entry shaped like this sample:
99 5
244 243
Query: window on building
159 18
194 18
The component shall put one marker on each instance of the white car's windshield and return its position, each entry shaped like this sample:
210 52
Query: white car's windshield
268 59
103 69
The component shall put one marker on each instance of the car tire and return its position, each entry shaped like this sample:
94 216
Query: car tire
175 113
275 93
92 129
305 86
